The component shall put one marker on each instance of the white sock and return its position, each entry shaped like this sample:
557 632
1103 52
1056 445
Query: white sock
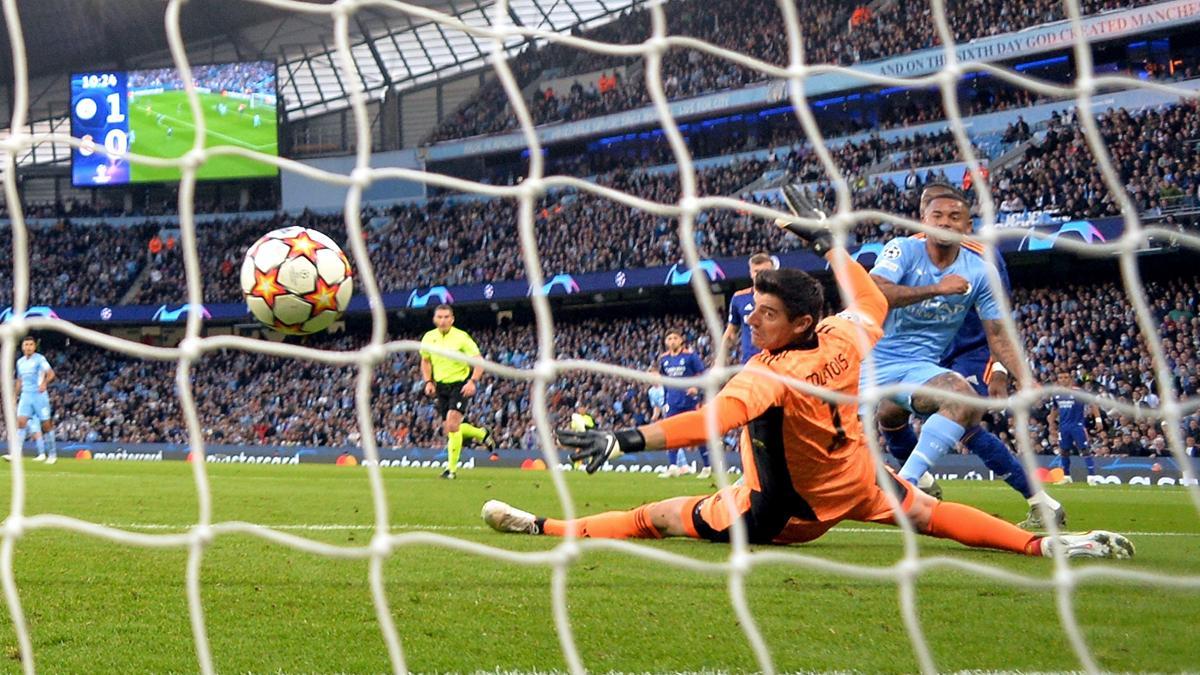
1044 498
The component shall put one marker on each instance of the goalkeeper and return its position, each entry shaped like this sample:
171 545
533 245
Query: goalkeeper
806 463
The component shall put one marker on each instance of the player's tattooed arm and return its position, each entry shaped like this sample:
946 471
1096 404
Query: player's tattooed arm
1003 349
902 296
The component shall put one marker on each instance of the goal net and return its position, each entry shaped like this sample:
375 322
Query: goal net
741 561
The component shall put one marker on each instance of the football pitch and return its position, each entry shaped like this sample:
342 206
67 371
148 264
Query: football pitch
233 128
98 606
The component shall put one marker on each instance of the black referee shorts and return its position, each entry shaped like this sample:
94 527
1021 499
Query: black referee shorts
450 397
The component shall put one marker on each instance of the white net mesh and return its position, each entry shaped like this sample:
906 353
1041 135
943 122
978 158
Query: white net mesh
740 561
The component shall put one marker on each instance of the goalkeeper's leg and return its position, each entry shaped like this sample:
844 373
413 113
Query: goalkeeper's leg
651 521
707 517
972 527
945 520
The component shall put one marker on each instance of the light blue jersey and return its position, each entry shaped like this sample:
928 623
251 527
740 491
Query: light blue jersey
29 372
924 330
33 404
917 336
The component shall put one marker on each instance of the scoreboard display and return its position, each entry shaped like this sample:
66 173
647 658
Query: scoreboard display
98 116
114 113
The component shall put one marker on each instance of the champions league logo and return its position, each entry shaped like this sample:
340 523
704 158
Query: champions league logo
564 283
1081 228
35 311
873 249
440 295
680 274
165 315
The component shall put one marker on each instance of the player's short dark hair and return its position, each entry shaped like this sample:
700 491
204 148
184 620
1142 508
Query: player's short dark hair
800 293
942 190
444 306
29 338
676 331
760 258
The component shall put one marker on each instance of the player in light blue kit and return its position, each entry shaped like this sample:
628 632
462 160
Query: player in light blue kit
34 375
740 307
1067 417
969 356
680 362
930 286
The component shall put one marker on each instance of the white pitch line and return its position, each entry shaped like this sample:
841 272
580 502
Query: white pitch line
232 140
331 527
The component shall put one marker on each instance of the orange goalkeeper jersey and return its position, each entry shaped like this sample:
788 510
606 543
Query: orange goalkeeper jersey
805 454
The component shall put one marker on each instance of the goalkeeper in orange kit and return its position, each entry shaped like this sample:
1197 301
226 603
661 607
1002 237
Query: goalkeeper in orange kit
806 462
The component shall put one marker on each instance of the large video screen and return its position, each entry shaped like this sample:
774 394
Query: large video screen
147 112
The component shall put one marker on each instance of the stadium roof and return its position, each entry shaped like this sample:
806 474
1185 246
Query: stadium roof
391 49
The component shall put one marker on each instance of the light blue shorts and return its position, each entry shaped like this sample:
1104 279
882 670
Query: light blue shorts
34 407
901 372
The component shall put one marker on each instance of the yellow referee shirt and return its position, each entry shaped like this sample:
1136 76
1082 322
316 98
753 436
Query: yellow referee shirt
446 369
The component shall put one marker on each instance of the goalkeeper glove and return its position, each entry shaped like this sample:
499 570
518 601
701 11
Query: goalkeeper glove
801 204
597 447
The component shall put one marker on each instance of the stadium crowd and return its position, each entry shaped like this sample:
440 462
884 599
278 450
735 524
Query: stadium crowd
257 77
748 28
77 264
457 241
242 399
1153 150
1090 331
1086 329
70 208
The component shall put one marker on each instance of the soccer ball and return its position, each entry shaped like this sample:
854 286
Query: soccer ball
296 280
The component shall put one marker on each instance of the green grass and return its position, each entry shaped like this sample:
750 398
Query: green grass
96 606
150 137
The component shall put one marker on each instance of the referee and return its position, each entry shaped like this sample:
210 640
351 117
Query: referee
452 382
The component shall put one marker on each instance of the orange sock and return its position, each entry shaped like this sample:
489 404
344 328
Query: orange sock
970 526
633 524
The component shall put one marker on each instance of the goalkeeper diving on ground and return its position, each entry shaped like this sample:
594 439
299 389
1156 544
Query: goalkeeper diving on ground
806 462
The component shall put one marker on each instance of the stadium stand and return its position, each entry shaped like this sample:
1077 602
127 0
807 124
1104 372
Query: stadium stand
455 241
78 264
1087 329
753 29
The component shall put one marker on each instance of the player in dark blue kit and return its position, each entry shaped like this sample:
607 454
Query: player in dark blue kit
680 362
1067 417
740 306
969 356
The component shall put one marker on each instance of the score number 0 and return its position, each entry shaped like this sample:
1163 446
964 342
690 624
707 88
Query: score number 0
116 141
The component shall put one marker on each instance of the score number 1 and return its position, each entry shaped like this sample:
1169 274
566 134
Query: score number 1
116 141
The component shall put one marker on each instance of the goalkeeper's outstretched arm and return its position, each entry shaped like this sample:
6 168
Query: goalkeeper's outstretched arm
595 447
866 298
